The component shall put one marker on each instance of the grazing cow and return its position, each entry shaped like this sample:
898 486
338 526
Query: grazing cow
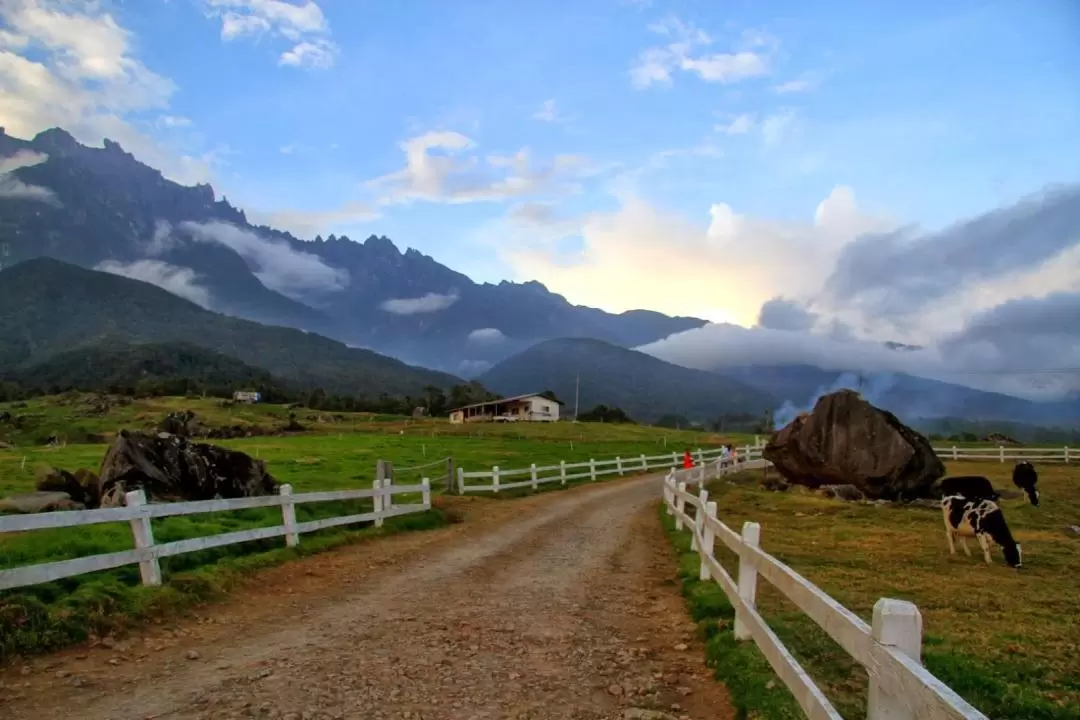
983 520
1025 477
973 487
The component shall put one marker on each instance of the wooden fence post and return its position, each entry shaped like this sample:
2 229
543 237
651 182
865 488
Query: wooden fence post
532 472
425 485
562 471
618 464
384 471
592 469
669 492
674 459
708 538
450 474
288 516
898 624
955 453
495 478
461 480
149 568
644 463
1001 452
751 535
378 499
680 505
699 457
1066 454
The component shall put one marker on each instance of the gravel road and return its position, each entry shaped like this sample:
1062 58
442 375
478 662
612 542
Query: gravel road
561 605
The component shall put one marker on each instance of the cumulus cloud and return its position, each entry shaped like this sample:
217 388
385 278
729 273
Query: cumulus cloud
486 336
783 314
304 25
548 112
656 64
179 281
443 166
896 275
277 264
308 223
13 188
70 65
429 303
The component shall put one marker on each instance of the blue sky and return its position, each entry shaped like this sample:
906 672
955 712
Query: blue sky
654 115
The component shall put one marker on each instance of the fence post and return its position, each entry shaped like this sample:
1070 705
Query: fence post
592 469
898 624
149 568
288 515
751 536
746 457
532 474
495 478
644 463
669 492
384 471
1066 454
955 453
1001 452
699 517
425 485
699 456
708 538
378 499
618 462
674 459
680 505
450 474
461 480
562 471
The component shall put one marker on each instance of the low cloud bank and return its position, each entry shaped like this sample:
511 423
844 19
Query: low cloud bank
179 281
428 303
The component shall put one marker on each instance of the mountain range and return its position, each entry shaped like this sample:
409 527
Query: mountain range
98 250
101 208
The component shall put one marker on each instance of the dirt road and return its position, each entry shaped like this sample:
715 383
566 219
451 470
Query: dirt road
555 606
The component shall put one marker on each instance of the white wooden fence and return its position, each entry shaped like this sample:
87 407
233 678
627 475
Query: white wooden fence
147 554
889 648
591 469
1002 453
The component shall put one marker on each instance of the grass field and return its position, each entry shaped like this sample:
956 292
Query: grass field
339 451
1006 640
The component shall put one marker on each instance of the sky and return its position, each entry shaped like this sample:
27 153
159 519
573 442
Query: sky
867 171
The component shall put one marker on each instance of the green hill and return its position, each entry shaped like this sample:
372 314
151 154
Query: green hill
48 307
144 369
645 387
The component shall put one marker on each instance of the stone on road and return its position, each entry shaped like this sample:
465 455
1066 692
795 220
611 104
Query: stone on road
560 605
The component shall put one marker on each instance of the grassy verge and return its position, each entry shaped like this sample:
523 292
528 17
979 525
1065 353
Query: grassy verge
1005 640
52 615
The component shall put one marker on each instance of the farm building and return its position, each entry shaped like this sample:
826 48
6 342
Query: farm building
528 408
246 396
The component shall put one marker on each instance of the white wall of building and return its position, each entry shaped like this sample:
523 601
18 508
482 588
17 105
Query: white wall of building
543 410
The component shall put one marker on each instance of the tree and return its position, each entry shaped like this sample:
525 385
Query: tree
602 413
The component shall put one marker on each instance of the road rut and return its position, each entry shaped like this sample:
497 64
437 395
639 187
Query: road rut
561 606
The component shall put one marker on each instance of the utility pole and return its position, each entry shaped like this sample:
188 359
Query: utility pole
577 389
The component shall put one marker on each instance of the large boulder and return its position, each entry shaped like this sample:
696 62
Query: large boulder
36 502
170 468
847 441
82 486
183 423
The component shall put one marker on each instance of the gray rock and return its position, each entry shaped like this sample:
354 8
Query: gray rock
37 502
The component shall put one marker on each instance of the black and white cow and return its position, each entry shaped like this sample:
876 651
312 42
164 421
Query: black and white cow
970 486
983 520
1025 477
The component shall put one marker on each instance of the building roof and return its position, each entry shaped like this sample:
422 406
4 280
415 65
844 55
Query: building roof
505 400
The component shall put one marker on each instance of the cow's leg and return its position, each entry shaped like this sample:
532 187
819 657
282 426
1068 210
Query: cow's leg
949 535
984 541
963 544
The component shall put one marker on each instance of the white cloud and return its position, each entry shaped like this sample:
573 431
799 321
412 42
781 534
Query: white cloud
179 281
174 121
486 336
429 303
303 24
778 127
13 188
442 166
739 125
548 112
277 264
309 223
655 65
70 65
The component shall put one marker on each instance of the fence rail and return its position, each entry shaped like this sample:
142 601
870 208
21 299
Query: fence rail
591 469
147 554
1002 453
889 648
